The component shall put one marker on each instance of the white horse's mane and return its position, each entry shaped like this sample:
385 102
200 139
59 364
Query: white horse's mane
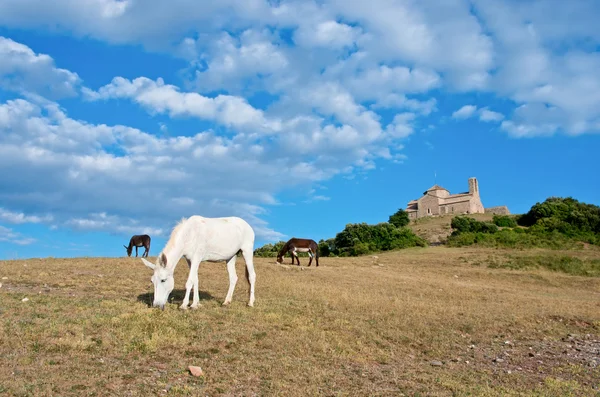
174 234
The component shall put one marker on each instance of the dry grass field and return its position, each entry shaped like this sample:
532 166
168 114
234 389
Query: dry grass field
417 322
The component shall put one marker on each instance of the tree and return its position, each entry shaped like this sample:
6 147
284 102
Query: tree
400 218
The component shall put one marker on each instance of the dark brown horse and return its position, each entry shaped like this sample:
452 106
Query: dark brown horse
299 245
139 241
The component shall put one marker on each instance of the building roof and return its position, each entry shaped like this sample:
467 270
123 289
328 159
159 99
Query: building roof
437 187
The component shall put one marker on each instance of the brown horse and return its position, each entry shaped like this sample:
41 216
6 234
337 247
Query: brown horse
139 241
299 245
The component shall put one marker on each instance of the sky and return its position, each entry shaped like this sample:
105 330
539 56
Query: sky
120 117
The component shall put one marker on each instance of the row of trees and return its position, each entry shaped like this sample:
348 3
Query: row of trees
361 238
556 223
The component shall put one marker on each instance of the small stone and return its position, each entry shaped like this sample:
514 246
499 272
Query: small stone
507 342
375 257
499 360
509 372
4 278
472 347
25 300
455 276
0 285
196 371
436 363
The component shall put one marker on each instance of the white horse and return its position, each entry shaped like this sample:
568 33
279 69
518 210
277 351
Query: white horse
203 239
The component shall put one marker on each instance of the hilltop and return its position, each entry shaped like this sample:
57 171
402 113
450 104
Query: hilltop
435 230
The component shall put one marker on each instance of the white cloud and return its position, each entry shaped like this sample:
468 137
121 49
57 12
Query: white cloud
490 115
234 62
22 70
327 34
19 217
401 127
544 65
156 96
464 112
68 168
10 236
485 114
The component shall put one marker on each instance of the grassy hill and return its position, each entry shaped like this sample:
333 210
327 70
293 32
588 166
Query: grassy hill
437 229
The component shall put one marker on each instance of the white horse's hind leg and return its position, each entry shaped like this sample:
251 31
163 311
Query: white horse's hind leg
233 278
250 274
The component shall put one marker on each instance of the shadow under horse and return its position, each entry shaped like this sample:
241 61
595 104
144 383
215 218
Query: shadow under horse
176 295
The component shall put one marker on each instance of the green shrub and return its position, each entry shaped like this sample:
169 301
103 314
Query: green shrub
504 221
269 250
361 238
464 224
399 219
558 223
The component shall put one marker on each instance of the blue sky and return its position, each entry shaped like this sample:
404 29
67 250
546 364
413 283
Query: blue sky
119 117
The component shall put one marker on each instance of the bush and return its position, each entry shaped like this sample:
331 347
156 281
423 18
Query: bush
361 238
326 247
504 221
464 224
565 214
269 250
399 219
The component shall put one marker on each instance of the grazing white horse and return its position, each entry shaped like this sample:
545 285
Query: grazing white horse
203 239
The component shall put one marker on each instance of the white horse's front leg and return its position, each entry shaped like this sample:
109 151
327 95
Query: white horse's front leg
196 300
189 284
232 280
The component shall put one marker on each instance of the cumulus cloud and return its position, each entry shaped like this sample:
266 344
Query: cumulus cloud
20 217
159 97
464 112
485 114
66 171
71 169
490 115
23 70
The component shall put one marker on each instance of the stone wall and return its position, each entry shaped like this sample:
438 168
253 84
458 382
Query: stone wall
499 210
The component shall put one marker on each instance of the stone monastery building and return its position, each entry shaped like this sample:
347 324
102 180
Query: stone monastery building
438 201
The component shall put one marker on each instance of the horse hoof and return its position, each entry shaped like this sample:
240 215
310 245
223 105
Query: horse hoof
183 307
226 303
195 307
250 304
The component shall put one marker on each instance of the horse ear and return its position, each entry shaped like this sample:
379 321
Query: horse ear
125 246
163 259
149 264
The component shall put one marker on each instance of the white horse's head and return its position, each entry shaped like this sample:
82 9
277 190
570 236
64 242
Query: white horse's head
162 279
